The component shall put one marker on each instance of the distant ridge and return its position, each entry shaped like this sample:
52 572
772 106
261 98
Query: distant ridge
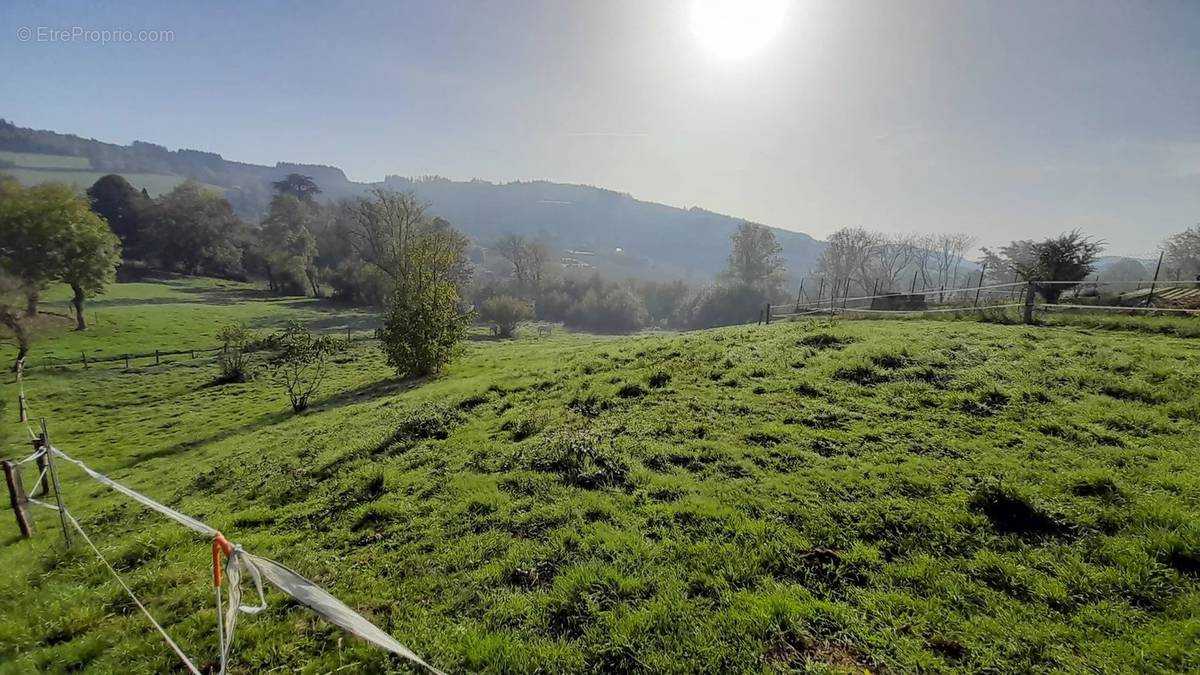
655 240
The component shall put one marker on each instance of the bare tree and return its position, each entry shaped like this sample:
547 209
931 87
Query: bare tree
890 256
847 255
530 261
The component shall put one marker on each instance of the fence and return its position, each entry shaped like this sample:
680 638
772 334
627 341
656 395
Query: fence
131 359
1173 297
228 573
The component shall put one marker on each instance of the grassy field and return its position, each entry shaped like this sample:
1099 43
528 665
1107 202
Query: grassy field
32 168
37 161
887 496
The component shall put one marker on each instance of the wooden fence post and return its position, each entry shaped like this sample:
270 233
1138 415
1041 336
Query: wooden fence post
820 292
156 357
62 509
126 362
43 466
16 497
1150 297
768 312
914 283
1029 299
798 294
979 287
22 410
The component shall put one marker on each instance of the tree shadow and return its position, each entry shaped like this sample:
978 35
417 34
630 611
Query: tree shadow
386 387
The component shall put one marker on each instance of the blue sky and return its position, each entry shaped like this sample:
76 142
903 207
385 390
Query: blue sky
1008 119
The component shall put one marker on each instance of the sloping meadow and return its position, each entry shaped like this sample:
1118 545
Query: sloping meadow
848 496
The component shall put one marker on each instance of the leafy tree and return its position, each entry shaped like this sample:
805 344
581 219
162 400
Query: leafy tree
422 328
122 206
1183 254
298 362
27 226
756 259
299 186
287 248
426 262
505 312
194 230
1068 257
87 254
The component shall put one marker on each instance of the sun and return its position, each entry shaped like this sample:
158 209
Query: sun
733 30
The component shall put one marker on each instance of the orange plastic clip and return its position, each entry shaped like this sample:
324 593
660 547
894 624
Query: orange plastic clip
220 545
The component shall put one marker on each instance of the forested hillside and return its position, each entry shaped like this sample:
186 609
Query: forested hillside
655 240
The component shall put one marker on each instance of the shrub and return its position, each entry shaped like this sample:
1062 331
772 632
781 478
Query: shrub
726 305
298 361
504 313
422 329
237 342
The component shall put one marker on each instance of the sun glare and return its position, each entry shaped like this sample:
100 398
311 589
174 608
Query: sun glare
736 29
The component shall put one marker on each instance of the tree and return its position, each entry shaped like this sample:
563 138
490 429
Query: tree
27 225
504 312
422 329
87 254
298 361
12 293
1182 254
756 259
287 247
299 186
122 206
194 230
529 260
847 255
1066 259
426 262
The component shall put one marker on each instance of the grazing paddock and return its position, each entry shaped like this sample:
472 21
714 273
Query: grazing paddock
856 495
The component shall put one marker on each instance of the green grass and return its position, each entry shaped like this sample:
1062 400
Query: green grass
173 315
32 160
904 496
153 183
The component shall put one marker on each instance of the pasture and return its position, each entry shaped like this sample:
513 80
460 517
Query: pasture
810 496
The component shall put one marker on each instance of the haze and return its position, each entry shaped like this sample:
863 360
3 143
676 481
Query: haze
1009 120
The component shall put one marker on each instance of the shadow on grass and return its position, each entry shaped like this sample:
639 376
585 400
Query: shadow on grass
388 387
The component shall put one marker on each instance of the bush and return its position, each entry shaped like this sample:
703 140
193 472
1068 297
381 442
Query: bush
422 329
726 306
237 342
298 361
504 312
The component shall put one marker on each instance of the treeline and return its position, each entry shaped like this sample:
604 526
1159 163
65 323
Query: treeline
523 273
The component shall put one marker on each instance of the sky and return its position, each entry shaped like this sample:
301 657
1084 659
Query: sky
1009 120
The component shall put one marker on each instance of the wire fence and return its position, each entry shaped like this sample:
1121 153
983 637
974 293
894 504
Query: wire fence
1169 297
230 562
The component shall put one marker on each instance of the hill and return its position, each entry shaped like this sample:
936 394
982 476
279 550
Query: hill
859 495
655 240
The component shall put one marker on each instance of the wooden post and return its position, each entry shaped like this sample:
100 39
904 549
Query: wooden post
846 294
16 497
978 288
43 466
833 297
820 292
760 318
127 362
156 357
875 290
1150 297
22 410
798 294
1029 299
347 333
768 311
914 283
84 355
62 509
193 354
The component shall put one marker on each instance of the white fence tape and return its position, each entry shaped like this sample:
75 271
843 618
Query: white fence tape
239 561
